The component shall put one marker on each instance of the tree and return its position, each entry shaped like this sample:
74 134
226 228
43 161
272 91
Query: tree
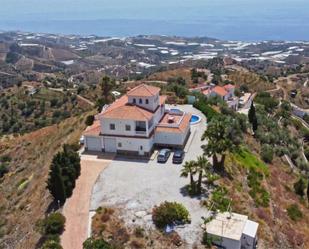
202 165
53 224
64 170
223 135
188 169
55 183
89 120
251 113
92 243
107 84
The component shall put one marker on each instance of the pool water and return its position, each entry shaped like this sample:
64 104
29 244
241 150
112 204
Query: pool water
195 119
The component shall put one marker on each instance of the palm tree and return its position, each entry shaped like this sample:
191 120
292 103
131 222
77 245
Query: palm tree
189 169
202 166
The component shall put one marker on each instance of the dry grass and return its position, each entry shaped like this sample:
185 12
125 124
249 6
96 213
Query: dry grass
31 156
164 76
254 82
276 229
108 225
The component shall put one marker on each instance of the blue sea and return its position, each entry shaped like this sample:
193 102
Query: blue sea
247 20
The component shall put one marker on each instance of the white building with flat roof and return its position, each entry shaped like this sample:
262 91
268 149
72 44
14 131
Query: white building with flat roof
136 122
232 231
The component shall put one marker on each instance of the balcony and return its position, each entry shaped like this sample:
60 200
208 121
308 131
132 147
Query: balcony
140 131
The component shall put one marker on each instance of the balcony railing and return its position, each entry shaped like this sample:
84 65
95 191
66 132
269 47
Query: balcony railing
140 132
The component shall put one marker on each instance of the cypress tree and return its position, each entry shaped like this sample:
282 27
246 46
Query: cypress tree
251 113
254 124
55 183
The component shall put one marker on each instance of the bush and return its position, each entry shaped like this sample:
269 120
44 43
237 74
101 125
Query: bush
53 224
89 120
267 153
169 213
92 243
299 187
294 212
51 244
3 169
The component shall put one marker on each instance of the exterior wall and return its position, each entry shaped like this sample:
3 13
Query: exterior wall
153 101
227 243
120 127
247 242
93 143
134 144
166 138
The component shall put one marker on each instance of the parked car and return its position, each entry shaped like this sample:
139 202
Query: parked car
163 155
82 140
178 156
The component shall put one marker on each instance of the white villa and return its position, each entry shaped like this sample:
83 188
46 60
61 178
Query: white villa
226 93
136 122
232 231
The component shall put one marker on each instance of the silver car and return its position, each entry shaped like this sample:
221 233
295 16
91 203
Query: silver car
163 155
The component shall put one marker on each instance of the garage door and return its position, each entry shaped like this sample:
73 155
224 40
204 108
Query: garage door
110 145
93 143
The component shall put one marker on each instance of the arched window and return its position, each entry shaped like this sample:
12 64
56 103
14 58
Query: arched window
140 101
134 101
147 101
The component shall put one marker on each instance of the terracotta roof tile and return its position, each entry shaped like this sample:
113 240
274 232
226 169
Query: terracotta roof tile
229 86
93 130
128 112
185 122
220 91
144 91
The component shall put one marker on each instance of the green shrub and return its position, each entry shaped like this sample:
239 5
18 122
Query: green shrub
294 212
299 187
3 169
51 244
53 224
169 213
219 200
257 191
92 243
89 120
267 153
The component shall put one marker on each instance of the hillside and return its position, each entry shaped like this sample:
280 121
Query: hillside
23 195
32 106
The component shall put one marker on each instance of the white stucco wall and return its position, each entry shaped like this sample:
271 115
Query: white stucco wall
170 138
93 143
134 144
120 127
153 101
228 243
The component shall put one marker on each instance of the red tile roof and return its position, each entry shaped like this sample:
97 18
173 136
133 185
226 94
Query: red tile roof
229 87
144 91
220 91
131 112
185 122
93 130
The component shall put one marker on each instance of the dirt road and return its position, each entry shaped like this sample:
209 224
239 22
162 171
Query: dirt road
76 208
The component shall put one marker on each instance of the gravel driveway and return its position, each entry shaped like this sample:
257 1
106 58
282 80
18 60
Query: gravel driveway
136 186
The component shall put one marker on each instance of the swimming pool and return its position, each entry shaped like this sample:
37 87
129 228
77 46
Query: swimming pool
195 119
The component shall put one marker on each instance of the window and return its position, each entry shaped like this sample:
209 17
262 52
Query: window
141 148
140 101
112 126
134 101
128 127
147 101
119 145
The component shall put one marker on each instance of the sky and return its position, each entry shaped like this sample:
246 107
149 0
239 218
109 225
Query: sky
149 9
